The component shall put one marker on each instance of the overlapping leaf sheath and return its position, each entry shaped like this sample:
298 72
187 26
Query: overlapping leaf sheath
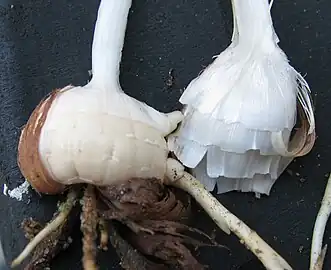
241 110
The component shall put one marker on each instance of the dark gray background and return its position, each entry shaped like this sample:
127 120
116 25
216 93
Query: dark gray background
46 44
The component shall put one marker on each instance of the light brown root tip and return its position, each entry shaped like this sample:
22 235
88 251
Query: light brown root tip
64 210
103 234
320 259
136 228
89 222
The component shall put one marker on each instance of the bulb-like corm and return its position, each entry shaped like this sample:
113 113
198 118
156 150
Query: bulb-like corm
96 133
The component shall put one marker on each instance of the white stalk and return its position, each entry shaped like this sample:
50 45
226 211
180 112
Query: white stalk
224 218
255 32
317 254
233 134
108 42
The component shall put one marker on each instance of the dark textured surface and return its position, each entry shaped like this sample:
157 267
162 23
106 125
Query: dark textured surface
46 44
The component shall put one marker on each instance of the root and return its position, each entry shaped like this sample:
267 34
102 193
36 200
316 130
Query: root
58 221
136 228
167 248
175 229
169 242
224 218
115 214
3 264
320 260
153 216
131 259
89 222
52 245
316 254
103 235
142 199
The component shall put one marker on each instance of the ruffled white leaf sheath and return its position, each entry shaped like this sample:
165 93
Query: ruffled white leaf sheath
239 113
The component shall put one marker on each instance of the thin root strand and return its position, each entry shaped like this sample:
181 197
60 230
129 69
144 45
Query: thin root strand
103 245
320 260
316 253
131 259
89 222
224 218
64 210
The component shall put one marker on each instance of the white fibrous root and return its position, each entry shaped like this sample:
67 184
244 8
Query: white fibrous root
227 221
241 110
318 253
96 133
64 211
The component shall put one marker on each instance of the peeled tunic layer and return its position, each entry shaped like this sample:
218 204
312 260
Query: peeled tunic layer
234 110
237 104
227 154
228 164
230 137
231 149
258 93
259 183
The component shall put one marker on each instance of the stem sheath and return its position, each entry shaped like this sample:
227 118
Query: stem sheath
254 24
108 42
